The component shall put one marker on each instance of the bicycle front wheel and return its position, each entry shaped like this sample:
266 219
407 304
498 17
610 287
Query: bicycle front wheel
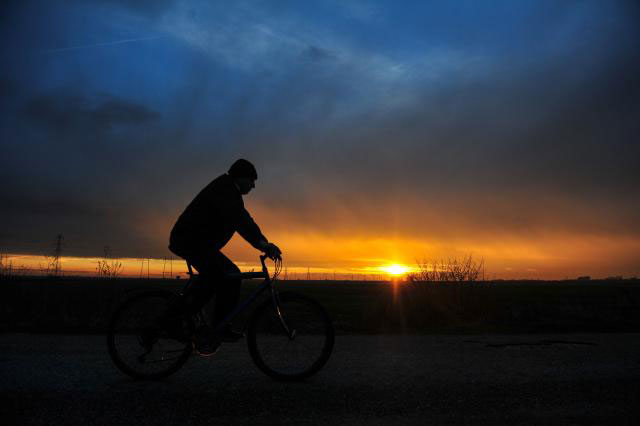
290 341
144 345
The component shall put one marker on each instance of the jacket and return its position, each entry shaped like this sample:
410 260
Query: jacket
211 219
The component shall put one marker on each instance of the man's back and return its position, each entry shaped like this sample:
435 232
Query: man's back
212 218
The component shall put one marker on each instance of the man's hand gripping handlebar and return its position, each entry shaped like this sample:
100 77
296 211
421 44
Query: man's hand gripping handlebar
277 260
271 250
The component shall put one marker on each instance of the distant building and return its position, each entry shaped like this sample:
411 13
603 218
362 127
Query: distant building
585 278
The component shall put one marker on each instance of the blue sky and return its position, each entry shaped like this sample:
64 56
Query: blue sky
115 112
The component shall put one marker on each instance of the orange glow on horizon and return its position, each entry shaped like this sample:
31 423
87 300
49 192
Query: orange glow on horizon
360 246
357 257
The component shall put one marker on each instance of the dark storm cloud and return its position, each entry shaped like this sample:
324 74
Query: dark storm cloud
42 213
66 134
540 127
524 123
535 133
317 54
72 170
562 129
8 88
61 112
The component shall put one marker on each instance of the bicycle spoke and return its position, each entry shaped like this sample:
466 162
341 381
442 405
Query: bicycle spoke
288 358
138 345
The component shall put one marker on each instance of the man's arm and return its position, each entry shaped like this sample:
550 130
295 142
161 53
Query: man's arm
250 231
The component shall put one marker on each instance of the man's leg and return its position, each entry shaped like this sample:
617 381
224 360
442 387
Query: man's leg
202 289
227 289
196 295
214 267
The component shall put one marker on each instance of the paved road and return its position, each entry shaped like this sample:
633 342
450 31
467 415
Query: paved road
492 379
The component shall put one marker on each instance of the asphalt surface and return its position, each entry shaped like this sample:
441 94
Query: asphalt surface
488 379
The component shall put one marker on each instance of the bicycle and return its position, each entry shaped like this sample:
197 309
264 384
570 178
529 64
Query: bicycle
290 336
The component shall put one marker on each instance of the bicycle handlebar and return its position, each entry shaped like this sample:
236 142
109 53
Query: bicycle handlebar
251 275
244 275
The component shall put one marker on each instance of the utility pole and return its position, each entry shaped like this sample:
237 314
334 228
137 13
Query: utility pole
57 251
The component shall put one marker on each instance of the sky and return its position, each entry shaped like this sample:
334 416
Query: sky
383 132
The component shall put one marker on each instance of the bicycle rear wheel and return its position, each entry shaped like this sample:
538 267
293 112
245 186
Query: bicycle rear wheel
139 346
293 341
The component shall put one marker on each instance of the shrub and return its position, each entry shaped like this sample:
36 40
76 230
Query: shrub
450 270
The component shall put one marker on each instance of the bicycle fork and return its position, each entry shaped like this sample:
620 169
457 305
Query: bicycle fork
291 334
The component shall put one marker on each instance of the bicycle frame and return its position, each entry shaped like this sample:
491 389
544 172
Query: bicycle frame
266 284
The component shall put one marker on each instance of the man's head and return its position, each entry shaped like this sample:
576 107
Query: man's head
244 175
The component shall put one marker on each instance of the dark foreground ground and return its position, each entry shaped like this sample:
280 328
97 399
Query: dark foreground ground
380 379
85 305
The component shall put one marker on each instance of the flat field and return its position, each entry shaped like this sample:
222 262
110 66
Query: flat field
84 305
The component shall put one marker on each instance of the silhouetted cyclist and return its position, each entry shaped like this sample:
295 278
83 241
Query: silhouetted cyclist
206 225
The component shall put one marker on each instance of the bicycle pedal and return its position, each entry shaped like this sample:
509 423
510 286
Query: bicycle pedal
206 349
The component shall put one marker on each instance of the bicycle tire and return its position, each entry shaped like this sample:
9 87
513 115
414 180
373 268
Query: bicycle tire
183 349
314 333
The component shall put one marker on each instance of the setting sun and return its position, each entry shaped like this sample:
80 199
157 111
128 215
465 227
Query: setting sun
395 269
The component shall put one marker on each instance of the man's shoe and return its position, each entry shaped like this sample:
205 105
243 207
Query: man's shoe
206 345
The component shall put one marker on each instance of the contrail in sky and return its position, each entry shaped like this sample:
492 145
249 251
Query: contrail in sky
109 43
